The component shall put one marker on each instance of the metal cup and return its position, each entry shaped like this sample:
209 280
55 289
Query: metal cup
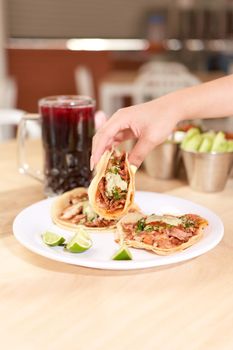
161 162
207 172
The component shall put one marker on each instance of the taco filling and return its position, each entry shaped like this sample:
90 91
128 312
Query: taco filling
163 232
113 186
80 212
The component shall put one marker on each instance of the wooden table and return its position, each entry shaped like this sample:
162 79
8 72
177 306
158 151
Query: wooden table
50 305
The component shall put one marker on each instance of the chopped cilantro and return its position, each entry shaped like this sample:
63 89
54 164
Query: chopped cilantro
140 225
116 194
148 228
114 170
159 228
169 226
188 223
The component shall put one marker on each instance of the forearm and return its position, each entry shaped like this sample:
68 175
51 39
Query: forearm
209 100
152 122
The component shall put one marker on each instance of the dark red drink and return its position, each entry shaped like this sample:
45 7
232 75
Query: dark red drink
67 131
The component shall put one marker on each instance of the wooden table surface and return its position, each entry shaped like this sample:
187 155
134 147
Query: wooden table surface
50 305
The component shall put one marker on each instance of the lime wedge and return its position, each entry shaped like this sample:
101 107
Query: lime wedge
191 133
52 239
230 146
122 254
220 143
193 143
80 242
206 145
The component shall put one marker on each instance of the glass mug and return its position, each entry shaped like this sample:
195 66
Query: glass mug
67 124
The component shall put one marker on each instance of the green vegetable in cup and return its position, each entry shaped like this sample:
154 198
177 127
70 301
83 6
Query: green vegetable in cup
230 146
220 144
195 141
207 142
189 135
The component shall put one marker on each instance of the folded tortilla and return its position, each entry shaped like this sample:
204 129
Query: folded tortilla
64 202
93 191
133 218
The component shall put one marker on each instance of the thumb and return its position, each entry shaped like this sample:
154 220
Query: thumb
140 151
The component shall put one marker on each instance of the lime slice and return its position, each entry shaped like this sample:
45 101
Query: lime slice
122 254
220 143
206 145
211 134
190 134
230 146
52 239
193 143
80 242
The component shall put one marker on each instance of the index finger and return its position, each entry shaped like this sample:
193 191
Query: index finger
104 138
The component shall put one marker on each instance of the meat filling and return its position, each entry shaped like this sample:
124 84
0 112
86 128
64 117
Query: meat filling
79 212
112 188
162 235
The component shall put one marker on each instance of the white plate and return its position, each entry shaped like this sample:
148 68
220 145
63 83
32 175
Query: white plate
34 220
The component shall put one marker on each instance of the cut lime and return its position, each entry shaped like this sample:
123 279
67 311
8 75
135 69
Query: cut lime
206 145
230 146
122 254
193 143
190 134
52 239
80 242
220 143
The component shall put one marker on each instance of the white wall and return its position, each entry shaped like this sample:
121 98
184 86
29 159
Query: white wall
87 18
79 18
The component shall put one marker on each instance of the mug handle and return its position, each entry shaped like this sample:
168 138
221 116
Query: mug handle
23 166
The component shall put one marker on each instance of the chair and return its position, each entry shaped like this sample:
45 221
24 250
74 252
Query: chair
162 67
9 115
153 83
84 81
8 93
9 120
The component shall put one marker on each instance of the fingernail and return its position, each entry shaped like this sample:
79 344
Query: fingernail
91 163
133 168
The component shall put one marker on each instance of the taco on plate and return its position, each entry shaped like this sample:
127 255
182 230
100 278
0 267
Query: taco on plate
73 208
161 234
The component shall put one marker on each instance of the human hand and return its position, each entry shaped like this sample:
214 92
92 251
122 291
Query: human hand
150 123
100 119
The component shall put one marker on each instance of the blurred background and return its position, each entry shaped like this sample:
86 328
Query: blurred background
120 52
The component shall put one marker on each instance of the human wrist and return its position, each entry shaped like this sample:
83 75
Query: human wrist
175 107
190 102
180 104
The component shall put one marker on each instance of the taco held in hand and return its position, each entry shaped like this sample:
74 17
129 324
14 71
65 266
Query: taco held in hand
163 235
111 192
72 209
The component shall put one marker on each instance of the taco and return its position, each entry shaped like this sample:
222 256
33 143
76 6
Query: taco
111 192
162 235
72 209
